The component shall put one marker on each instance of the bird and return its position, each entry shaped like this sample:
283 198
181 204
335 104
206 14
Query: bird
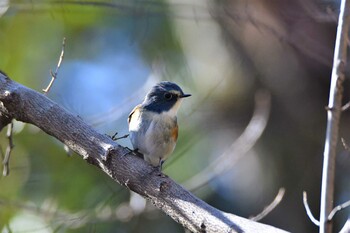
153 128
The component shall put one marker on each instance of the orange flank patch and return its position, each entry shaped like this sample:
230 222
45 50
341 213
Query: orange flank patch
175 133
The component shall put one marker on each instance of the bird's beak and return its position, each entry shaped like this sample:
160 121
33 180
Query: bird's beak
185 95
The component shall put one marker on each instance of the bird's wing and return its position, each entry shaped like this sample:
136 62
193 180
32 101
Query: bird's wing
134 112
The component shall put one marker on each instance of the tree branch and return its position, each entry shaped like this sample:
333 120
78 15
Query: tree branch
333 117
23 104
4 118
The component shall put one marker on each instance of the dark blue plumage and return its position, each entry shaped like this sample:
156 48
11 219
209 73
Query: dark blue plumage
162 97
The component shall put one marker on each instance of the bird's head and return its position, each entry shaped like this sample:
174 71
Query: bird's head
164 97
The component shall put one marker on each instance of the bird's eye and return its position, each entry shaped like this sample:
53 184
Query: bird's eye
168 96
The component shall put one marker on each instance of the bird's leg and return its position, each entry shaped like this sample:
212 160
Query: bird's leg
160 164
158 169
137 153
134 152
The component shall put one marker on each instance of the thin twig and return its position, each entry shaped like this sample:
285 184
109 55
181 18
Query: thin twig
54 74
346 227
346 106
308 211
271 206
333 117
6 161
337 209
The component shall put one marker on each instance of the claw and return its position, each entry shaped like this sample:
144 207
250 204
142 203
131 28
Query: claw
158 169
129 151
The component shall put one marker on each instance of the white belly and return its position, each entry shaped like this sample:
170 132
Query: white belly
151 134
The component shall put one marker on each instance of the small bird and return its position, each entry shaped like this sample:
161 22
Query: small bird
153 123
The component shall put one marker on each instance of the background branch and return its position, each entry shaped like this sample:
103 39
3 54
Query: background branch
271 206
333 118
337 209
239 148
308 210
6 161
24 104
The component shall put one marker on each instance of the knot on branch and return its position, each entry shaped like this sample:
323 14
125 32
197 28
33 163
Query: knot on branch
8 97
4 118
164 186
203 228
91 160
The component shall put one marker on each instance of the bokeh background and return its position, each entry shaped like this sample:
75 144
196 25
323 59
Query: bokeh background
259 75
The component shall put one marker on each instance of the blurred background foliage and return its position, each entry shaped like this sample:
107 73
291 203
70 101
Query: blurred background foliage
222 52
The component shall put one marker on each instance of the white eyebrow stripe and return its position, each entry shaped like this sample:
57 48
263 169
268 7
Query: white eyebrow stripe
175 92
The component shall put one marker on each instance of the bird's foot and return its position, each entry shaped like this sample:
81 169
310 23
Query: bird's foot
158 169
134 152
130 151
137 153
158 172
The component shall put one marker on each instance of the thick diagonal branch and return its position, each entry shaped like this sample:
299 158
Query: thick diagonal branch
23 104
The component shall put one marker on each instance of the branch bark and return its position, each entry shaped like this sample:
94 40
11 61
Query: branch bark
23 104
333 117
